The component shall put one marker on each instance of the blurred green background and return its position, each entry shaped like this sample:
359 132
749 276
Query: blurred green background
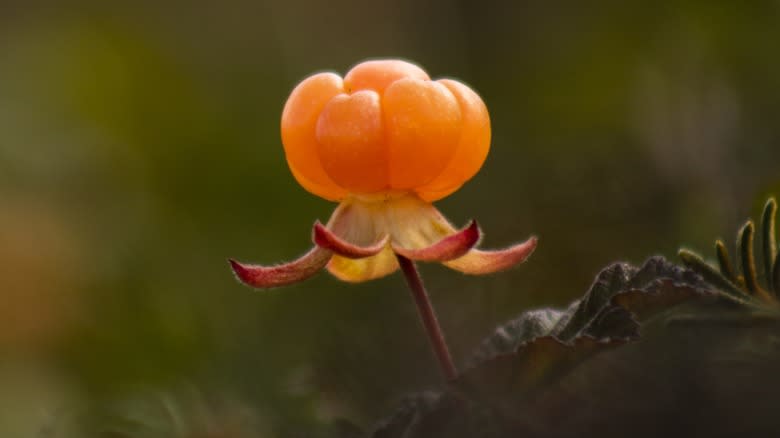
139 148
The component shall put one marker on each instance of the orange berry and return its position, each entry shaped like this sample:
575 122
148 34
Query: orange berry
385 127
299 120
378 75
472 149
423 128
351 143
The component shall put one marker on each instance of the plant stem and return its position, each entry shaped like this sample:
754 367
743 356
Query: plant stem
428 317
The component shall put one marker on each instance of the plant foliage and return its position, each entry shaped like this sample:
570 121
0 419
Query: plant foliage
539 374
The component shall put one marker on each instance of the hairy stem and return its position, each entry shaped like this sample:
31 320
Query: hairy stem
428 317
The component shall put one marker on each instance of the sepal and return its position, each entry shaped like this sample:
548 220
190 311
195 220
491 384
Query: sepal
326 239
264 277
480 262
448 248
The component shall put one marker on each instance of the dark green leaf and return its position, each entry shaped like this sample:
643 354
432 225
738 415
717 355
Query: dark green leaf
747 262
768 241
655 286
609 282
657 297
713 277
613 322
525 354
508 337
535 363
726 268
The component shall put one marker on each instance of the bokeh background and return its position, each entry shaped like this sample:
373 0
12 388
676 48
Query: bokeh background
139 148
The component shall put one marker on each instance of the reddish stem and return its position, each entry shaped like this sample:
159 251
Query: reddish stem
428 317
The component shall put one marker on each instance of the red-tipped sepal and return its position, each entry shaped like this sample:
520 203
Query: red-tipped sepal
281 275
449 248
478 262
324 238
